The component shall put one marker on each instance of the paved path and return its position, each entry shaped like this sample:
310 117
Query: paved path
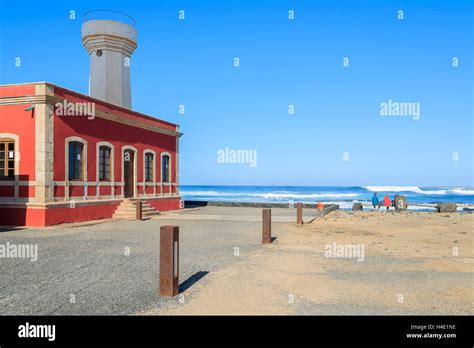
212 213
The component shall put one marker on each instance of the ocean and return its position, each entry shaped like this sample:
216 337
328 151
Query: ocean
342 195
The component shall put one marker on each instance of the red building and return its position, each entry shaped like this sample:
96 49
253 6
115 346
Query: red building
67 157
64 168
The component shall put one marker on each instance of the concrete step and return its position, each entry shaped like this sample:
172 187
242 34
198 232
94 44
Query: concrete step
134 212
134 209
127 210
132 217
134 205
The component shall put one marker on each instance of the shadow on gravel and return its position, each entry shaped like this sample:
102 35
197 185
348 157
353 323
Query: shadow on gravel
192 280
10 229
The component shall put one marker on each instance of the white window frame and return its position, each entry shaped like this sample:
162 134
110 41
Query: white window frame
170 168
153 182
97 156
154 166
16 169
16 140
66 157
66 165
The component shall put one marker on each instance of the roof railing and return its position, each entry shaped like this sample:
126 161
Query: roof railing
88 16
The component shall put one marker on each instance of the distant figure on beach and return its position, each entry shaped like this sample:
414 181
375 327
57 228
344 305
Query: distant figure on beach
375 201
387 201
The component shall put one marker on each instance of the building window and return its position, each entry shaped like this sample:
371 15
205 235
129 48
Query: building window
149 167
76 163
165 168
104 163
7 159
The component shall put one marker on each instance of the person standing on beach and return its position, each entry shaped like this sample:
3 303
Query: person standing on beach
386 201
375 201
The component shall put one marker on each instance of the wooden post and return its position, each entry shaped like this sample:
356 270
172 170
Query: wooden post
139 210
266 226
299 213
169 261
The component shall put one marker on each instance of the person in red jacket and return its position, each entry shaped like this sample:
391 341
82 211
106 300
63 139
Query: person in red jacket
386 201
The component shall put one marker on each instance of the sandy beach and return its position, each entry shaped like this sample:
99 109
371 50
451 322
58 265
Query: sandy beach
415 263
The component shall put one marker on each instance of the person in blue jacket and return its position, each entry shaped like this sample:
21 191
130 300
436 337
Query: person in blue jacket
375 201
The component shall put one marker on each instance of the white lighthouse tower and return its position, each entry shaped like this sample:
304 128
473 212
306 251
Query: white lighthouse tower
110 45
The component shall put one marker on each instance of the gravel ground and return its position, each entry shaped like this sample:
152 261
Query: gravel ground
90 262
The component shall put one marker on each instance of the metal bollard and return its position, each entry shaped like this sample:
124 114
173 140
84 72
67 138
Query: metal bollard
299 213
169 261
266 226
139 210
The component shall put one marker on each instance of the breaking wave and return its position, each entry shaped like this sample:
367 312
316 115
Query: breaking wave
309 195
461 191
415 189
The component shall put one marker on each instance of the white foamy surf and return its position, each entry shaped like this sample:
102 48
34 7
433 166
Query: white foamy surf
344 196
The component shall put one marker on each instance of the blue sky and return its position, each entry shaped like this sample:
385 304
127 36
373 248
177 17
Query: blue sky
282 62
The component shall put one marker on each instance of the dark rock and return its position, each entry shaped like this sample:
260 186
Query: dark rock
357 207
400 202
446 207
329 208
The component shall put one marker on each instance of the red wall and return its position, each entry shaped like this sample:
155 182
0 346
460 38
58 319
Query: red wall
165 204
79 213
22 217
51 216
14 119
41 217
18 90
96 130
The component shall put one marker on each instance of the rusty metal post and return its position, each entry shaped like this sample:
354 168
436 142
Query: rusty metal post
139 210
169 261
299 213
266 226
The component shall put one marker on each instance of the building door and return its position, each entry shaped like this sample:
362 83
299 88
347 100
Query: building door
128 168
